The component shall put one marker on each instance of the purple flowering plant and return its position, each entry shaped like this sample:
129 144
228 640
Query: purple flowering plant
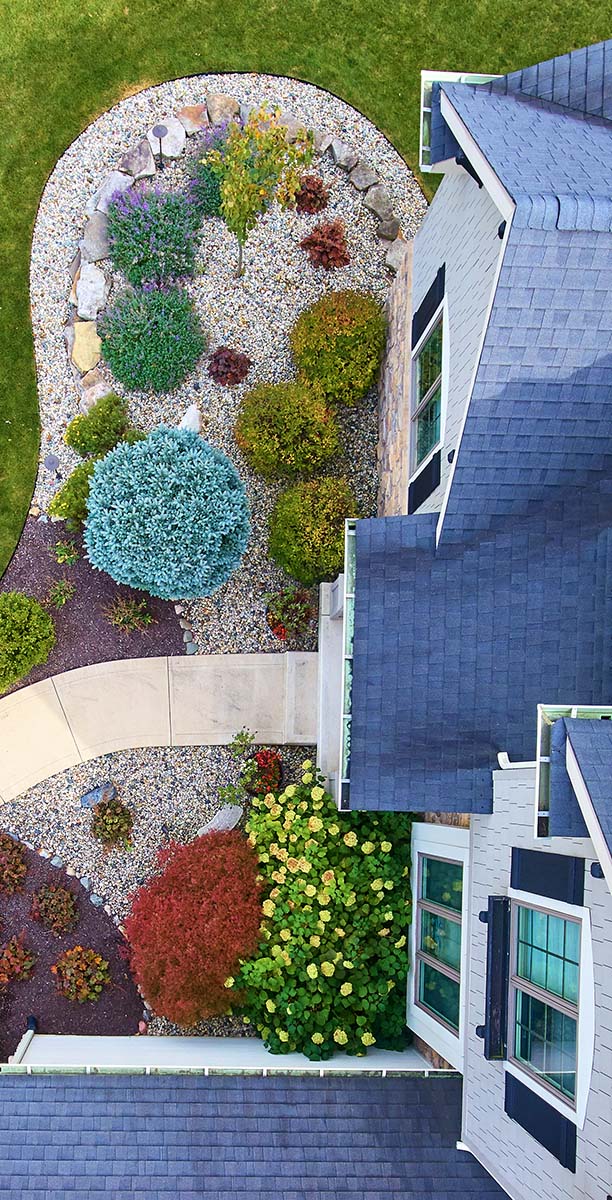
151 337
152 235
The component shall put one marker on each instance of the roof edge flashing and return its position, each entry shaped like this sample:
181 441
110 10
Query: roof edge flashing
481 165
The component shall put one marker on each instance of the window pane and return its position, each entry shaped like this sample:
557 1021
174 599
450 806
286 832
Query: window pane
545 1041
442 882
439 994
441 938
548 949
429 363
428 427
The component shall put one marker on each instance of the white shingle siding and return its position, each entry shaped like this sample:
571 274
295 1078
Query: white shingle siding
460 230
516 1160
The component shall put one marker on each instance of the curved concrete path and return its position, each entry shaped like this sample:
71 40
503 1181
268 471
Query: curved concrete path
199 700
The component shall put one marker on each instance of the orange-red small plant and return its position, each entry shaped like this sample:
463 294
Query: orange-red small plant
56 908
16 961
312 196
326 246
13 865
81 974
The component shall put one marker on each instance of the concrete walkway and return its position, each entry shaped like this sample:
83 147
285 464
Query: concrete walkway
198 700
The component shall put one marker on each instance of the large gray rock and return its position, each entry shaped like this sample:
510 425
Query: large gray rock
139 161
116 182
94 244
91 291
363 177
322 140
226 818
173 143
344 156
222 107
396 254
378 201
389 229
292 125
191 419
91 395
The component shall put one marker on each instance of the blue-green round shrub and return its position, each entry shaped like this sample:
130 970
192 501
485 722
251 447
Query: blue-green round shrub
168 516
151 338
152 235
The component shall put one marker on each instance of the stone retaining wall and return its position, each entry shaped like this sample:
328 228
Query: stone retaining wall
394 396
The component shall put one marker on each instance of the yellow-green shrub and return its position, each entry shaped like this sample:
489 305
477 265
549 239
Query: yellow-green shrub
286 429
338 343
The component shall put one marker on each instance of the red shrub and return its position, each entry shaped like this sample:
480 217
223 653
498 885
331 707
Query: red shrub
326 245
189 926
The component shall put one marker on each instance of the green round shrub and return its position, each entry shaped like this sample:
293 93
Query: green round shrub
286 429
152 235
338 343
27 636
204 188
99 430
152 338
307 529
70 502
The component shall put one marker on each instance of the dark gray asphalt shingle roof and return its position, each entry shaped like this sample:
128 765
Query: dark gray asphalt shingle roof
156 1138
591 741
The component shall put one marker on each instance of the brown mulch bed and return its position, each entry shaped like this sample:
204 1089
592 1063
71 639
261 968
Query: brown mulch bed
119 1008
83 634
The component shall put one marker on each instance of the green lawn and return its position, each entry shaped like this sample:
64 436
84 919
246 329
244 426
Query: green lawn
63 62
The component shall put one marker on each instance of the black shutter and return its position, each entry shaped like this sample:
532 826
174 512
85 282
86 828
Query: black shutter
556 876
425 483
542 1121
428 306
495 1029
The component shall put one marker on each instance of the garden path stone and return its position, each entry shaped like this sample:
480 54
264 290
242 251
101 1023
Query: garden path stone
292 125
72 299
173 143
193 118
91 291
378 201
91 395
222 107
363 177
191 419
75 264
187 636
84 882
87 346
138 161
104 791
396 254
389 229
344 156
94 244
117 181
226 818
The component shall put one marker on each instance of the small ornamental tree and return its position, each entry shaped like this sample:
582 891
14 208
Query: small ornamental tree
189 926
256 166
27 636
168 516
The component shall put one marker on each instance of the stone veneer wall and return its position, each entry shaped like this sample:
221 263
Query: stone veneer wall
394 396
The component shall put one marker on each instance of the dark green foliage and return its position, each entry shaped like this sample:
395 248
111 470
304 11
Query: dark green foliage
13 867
27 636
70 503
307 529
100 429
204 189
112 823
129 615
152 235
338 343
152 338
286 429
56 908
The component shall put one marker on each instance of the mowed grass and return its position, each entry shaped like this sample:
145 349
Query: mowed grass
62 63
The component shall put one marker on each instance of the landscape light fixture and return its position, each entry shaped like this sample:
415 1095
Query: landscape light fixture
159 132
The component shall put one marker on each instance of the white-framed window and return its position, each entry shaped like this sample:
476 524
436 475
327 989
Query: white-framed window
427 393
551 1017
436 985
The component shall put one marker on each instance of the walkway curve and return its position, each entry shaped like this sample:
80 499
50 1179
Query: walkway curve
200 700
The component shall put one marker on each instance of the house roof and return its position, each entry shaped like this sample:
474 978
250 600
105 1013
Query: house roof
154 1137
455 644
589 805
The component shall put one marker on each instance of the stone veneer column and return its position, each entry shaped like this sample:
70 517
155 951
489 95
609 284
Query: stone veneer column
394 396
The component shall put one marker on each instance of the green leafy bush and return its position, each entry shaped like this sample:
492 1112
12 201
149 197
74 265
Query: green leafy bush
330 972
204 188
13 865
27 636
99 430
168 516
70 502
112 823
56 908
151 338
81 974
286 429
338 342
60 592
152 235
306 533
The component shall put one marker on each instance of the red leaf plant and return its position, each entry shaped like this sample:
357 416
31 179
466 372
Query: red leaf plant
190 925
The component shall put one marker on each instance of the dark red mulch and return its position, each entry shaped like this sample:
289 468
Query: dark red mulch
119 1008
84 634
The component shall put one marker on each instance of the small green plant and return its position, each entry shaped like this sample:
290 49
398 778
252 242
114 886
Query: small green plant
151 338
16 961
129 615
112 823
60 592
99 430
204 188
241 743
289 613
81 974
70 502
66 553
56 908
306 530
152 235
27 636
13 865
338 343
286 429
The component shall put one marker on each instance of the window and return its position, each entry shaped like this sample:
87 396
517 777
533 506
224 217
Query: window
438 949
427 382
544 997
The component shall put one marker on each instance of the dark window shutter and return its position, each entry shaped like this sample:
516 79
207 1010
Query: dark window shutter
498 963
428 306
552 1130
556 876
425 483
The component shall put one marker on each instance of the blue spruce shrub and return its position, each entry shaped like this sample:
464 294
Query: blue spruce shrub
168 516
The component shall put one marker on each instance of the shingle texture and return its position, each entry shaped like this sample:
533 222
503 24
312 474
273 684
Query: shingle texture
456 644
565 817
591 741
150 1138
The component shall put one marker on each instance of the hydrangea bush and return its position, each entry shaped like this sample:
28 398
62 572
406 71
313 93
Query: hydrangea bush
152 235
168 516
332 965
151 338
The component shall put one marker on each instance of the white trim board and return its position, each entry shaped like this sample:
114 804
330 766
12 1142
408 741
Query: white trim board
498 193
591 820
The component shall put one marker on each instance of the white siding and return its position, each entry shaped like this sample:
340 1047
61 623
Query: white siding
460 230
516 1160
